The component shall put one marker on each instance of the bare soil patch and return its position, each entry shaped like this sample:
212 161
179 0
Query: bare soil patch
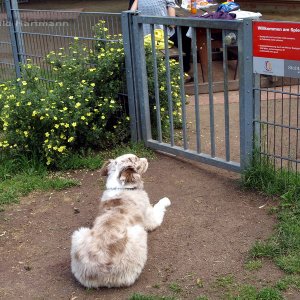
207 232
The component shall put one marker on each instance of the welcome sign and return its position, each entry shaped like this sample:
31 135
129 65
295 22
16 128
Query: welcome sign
276 48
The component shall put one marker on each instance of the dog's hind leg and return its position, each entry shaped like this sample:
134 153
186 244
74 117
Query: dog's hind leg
155 214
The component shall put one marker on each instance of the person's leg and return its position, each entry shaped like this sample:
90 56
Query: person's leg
186 47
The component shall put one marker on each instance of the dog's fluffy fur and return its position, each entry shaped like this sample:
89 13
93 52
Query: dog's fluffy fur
114 251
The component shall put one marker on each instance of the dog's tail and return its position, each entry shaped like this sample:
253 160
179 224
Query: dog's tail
80 239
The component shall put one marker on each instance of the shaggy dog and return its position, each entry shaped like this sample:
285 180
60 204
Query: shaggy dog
114 251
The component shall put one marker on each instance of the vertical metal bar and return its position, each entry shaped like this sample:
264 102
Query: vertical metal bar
141 78
281 134
196 89
18 29
289 121
182 89
226 100
129 48
156 87
13 38
267 123
274 131
211 97
298 125
169 90
246 93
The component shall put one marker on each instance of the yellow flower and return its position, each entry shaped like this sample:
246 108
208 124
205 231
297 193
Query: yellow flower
60 84
22 92
77 105
24 83
74 124
70 139
103 117
34 113
71 97
56 126
29 103
47 134
41 117
76 38
61 148
82 117
25 133
65 108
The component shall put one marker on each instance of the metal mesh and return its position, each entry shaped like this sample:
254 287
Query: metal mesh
7 66
278 121
39 32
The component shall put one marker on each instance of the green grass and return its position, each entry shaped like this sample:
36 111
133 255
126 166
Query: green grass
252 265
289 281
283 247
232 290
20 175
225 281
175 288
94 160
145 297
22 184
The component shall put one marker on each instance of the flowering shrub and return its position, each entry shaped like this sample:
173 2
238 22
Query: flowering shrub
81 109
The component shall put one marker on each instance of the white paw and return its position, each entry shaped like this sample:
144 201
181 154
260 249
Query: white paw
165 202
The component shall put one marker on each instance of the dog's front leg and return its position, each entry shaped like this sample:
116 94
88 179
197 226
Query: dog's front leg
155 214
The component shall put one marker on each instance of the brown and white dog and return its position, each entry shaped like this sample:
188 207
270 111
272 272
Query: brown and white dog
114 251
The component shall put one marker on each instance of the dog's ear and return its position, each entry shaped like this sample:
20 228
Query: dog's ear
128 175
104 169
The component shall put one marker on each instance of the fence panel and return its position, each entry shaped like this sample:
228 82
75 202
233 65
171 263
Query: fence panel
277 121
211 128
41 31
7 60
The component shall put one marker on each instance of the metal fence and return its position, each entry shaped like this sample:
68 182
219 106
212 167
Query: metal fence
277 121
210 126
216 128
7 60
35 33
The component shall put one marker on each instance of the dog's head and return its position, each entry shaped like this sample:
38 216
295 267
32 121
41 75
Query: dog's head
125 170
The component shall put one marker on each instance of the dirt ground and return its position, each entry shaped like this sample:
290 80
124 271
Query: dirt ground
206 234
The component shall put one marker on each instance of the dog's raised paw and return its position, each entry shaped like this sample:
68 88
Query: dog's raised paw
165 201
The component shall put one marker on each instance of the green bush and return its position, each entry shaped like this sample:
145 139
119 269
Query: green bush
81 108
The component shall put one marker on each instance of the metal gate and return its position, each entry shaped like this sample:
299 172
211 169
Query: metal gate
198 127
8 57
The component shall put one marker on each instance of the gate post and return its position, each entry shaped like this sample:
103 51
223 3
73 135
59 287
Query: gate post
131 79
246 94
13 37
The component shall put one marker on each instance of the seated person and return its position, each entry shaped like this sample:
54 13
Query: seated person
164 8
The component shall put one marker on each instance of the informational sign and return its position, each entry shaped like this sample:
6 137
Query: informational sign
276 48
